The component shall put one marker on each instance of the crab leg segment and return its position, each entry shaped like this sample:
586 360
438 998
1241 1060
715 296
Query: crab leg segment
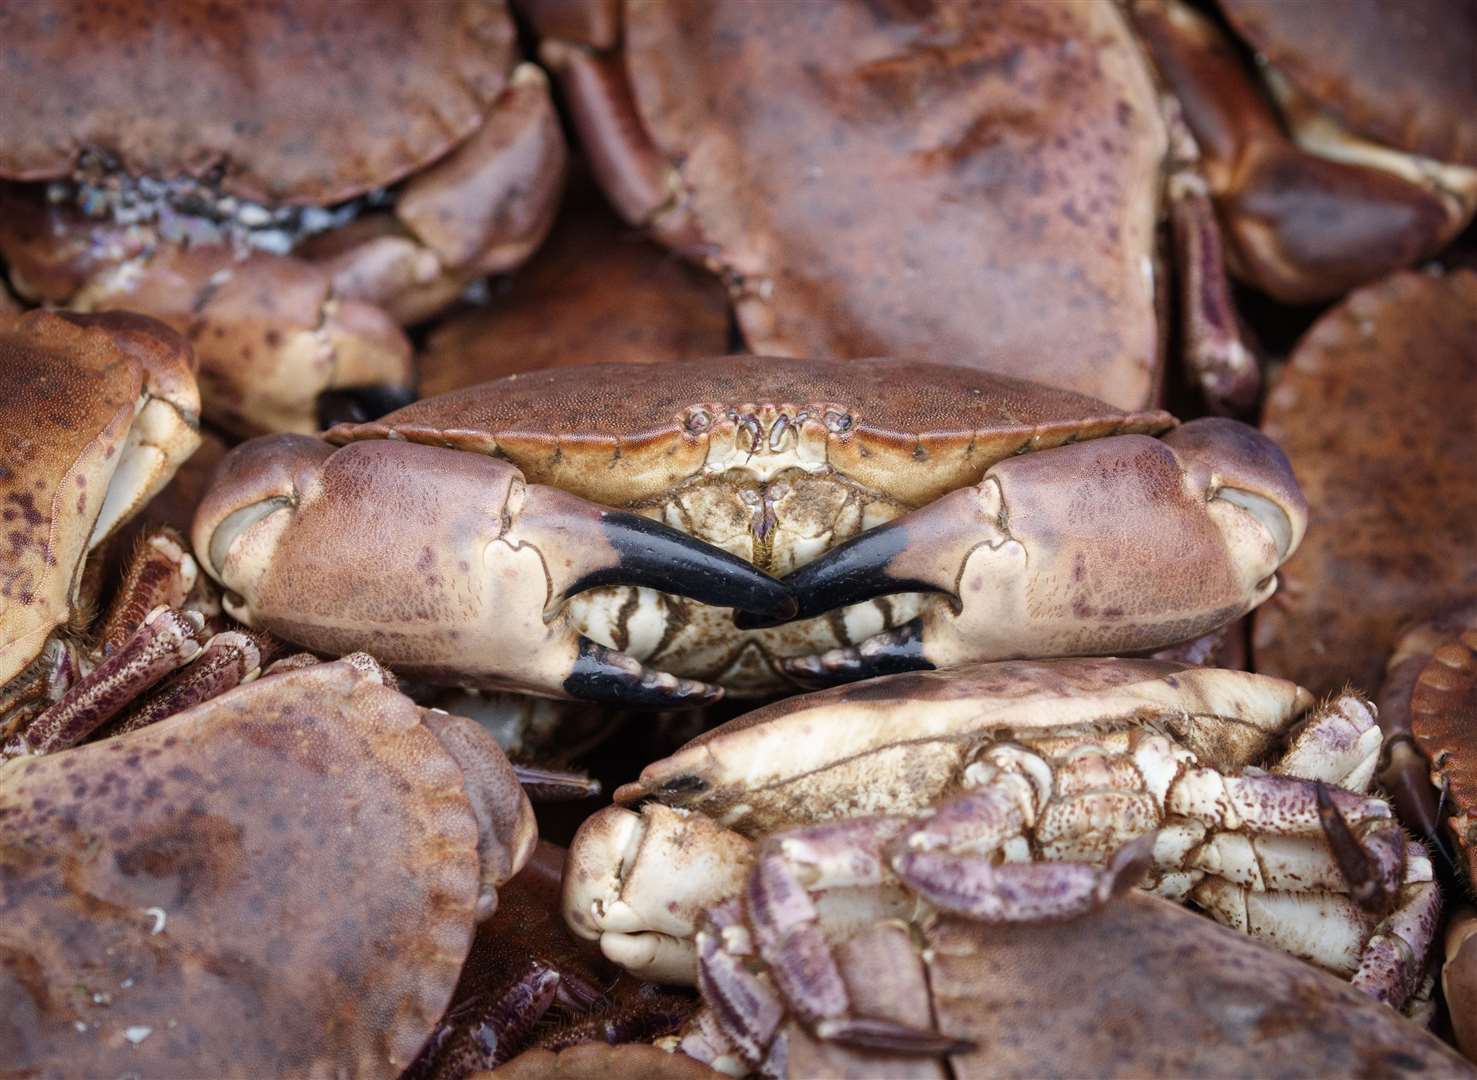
168 639
448 566
1115 545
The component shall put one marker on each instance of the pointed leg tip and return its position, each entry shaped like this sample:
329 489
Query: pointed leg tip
611 677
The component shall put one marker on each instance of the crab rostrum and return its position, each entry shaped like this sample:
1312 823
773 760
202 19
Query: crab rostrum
896 178
98 413
1368 163
285 182
925 516
1012 792
282 881
1138 988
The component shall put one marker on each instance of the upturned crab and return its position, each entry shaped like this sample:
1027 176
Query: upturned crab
1368 163
1020 791
283 880
1137 988
925 516
99 411
894 178
333 168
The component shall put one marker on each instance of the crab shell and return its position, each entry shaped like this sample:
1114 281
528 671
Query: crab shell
593 294
282 880
1141 987
325 102
98 413
896 179
777 463
1400 75
1394 499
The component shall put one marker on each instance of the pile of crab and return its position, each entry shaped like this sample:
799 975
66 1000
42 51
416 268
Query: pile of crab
970 730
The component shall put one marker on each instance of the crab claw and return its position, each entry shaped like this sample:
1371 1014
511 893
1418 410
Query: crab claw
448 567
1117 545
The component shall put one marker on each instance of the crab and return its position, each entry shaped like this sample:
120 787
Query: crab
100 410
592 294
1380 171
1395 498
1011 792
1138 988
166 891
894 180
1046 523
350 168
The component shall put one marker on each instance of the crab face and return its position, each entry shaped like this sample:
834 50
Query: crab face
894 180
1006 793
1379 172
99 411
255 212
185 859
972 517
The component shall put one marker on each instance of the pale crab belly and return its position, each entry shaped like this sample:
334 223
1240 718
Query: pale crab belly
700 642
779 513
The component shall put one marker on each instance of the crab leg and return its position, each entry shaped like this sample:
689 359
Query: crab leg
1115 545
168 639
448 566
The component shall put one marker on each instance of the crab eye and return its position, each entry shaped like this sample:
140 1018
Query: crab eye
838 421
699 422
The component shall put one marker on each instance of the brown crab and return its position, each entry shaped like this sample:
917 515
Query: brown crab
283 880
974 182
1011 792
99 411
1139 988
1395 497
286 182
926 515
1380 170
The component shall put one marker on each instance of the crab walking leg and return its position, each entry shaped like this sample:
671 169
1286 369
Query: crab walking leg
1115 545
449 567
1332 931
167 640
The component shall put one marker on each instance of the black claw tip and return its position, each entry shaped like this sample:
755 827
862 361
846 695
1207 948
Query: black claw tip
360 404
847 574
658 557
555 785
1366 887
888 653
865 1033
603 675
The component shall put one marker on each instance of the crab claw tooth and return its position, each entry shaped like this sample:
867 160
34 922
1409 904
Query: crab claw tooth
360 404
650 554
900 649
602 674
1373 868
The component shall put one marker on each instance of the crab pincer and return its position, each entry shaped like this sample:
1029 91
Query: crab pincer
1108 546
450 566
